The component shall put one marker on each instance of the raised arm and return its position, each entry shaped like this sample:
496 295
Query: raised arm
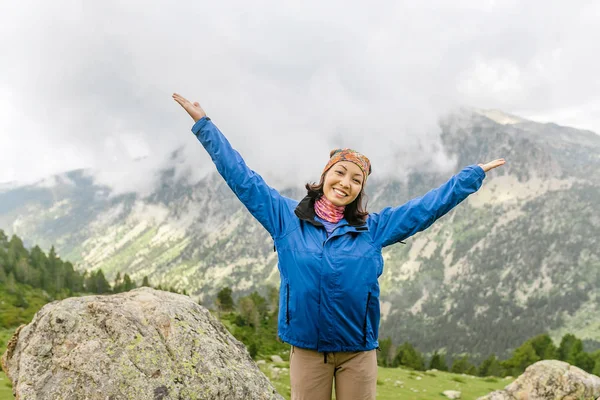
263 202
392 225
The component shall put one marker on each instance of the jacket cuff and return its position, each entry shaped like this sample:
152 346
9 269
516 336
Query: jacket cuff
201 123
476 167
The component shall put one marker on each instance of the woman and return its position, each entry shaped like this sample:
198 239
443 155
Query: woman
329 251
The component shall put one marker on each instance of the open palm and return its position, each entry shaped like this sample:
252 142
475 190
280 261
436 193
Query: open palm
194 109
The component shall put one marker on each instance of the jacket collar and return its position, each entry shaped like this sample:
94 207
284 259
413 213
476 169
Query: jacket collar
305 210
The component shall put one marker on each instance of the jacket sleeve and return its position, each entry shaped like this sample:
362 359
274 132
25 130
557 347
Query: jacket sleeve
263 202
392 225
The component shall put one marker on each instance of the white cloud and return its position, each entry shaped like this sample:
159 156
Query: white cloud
89 83
501 78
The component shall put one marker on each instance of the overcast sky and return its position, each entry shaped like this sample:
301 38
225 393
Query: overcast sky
89 84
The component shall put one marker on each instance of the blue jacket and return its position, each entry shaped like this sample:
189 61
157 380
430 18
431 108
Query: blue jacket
329 293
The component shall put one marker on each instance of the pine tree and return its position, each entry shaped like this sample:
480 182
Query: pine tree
15 251
544 347
38 258
52 268
569 348
273 299
585 362
11 283
3 239
225 300
463 366
59 278
490 367
408 356
260 303
385 357
248 312
522 358
100 284
117 286
21 270
128 284
73 280
438 361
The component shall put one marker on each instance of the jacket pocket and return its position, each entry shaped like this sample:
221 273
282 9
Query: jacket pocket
365 320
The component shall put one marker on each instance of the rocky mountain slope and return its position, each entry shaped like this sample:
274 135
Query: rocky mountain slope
518 258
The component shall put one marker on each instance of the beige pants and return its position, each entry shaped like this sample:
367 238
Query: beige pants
355 375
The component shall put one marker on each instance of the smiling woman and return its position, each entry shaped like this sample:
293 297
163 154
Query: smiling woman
343 183
329 250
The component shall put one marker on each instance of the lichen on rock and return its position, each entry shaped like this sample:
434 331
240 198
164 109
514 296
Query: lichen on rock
142 344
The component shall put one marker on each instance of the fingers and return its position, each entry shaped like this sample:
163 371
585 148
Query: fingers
184 102
193 109
180 99
492 164
498 162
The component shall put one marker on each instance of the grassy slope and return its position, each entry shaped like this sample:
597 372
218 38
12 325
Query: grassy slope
429 387
400 383
5 387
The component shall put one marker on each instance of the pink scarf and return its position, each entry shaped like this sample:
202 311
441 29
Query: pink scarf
328 211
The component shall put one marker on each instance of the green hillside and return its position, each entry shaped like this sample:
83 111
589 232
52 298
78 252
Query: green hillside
30 278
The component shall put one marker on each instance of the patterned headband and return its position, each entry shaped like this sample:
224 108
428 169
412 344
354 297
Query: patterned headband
352 156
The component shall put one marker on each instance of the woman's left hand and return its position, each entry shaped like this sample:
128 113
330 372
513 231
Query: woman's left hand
492 164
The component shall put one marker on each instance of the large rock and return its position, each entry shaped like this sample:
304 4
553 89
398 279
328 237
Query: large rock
144 344
551 380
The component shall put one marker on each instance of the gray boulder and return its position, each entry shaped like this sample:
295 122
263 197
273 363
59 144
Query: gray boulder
143 344
551 380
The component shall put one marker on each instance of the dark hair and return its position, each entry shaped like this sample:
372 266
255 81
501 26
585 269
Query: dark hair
355 212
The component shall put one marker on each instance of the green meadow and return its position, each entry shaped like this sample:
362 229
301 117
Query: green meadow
393 383
401 383
5 388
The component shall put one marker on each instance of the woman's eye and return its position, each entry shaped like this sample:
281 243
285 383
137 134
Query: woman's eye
357 181
339 172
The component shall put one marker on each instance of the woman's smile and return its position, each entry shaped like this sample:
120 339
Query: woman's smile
340 193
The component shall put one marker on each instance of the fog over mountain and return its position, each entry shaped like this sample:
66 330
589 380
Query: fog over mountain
518 258
88 85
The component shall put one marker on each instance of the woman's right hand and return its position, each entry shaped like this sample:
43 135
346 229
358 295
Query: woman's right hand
492 164
194 109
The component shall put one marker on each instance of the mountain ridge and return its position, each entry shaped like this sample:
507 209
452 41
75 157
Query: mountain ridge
507 263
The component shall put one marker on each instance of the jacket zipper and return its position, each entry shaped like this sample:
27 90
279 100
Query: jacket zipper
287 304
365 322
332 232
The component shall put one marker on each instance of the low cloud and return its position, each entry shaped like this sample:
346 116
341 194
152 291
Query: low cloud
89 84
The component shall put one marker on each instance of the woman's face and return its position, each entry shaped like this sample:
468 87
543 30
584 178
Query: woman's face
343 183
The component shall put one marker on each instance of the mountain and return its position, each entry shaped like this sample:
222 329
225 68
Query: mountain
518 258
